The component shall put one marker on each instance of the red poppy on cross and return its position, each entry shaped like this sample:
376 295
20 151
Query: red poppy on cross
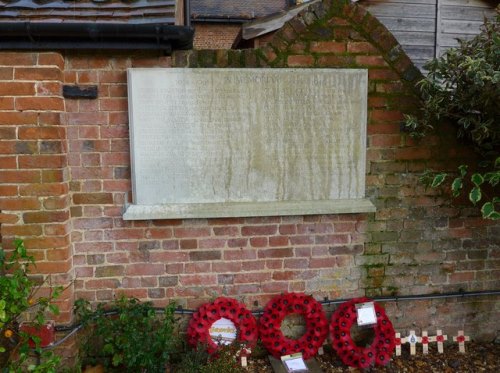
461 339
398 341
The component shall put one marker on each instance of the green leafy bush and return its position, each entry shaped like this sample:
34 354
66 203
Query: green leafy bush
127 335
18 295
200 361
463 87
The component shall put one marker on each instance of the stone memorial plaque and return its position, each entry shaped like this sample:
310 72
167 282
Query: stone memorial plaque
247 142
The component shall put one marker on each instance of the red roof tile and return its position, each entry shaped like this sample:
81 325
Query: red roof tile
102 11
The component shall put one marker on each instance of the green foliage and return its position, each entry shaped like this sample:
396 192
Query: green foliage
463 87
127 335
199 361
17 297
477 181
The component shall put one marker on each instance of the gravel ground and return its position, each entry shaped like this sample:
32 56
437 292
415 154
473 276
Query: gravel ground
479 357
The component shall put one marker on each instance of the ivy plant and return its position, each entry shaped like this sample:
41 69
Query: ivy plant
18 297
463 87
477 182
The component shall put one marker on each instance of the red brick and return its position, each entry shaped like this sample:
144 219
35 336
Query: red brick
322 262
278 241
199 280
8 218
188 244
328 47
385 140
276 253
246 278
6 73
112 76
335 61
361 47
144 269
35 133
48 89
211 243
191 232
413 153
240 254
287 229
45 216
8 190
259 230
385 116
332 239
226 231
124 234
94 118
58 255
17 89
25 176
92 198
18 204
396 87
8 162
7 118
258 241
17 58
370 61
205 255
7 133
38 73
42 161
113 104
22 230
298 60
51 59
39 103
53 267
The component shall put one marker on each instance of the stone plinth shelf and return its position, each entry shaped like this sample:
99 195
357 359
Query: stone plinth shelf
247 142
222 210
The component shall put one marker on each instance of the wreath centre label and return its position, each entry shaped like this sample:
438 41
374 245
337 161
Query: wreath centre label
223 331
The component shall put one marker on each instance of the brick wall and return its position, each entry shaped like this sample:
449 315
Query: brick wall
215 35
418 241
34 200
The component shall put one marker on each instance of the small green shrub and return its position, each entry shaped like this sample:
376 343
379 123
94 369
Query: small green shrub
18 296
127 335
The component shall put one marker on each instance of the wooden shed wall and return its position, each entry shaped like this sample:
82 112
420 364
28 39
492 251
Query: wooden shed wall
425 28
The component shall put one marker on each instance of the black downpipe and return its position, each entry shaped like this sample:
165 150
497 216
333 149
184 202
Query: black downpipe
152 36
187 13
72 329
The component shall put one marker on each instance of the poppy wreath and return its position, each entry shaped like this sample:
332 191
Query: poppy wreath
199 326
275 312
382 347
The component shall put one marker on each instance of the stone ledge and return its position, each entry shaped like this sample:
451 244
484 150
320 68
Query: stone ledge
247 209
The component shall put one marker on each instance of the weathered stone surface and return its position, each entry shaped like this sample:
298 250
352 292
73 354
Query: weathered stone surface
213 137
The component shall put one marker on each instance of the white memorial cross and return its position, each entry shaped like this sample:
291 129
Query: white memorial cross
425 339
461 339
412 339
399 341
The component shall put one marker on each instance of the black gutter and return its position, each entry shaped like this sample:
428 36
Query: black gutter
221 19
55 36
